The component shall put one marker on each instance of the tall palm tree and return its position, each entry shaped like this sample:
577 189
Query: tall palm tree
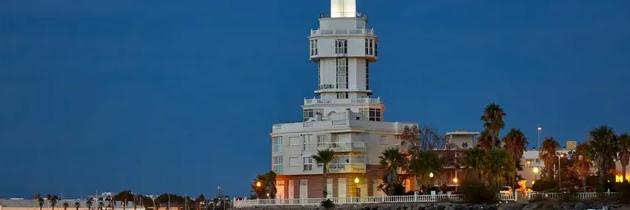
422 164
515 143
493 121
324 157
498 164
485 140
77 205
548 155
605 147
582 165
392 160
89 202
124 197
65 205
40 200
53 200
624 153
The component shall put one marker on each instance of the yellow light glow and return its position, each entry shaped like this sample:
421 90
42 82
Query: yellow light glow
619 178
536 170
455 180
258 184
533 182
431 174
356 180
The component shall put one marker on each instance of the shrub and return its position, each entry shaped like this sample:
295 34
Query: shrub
476 192
545 185
328 204
624 190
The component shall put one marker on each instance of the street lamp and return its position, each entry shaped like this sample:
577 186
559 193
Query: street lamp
455 180
560 168
431 175
356 182
539 130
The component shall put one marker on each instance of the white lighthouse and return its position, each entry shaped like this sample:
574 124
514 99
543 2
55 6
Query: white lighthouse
342 116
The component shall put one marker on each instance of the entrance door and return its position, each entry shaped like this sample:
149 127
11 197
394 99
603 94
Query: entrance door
304 189
280 190
341 191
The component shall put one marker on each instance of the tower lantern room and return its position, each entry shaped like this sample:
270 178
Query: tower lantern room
343 8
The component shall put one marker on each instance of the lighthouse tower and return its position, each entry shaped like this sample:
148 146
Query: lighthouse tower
342 116
343 48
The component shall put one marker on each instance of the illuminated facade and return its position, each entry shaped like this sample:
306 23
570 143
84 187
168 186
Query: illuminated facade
342 117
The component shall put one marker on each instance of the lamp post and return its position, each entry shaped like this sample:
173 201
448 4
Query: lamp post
539 130
536 170
356 182
559 169
455 180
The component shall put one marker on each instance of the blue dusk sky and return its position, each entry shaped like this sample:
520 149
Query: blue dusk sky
180 96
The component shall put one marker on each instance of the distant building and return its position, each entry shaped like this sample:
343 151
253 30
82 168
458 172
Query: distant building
461 139
23 204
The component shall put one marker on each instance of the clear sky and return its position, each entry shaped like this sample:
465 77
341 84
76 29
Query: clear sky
180 96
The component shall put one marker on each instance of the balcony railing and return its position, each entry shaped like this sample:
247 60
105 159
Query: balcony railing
347 168
321 32
342 101
342 147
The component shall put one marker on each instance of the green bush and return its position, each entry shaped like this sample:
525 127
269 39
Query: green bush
624 190
476 192
328 204
545 185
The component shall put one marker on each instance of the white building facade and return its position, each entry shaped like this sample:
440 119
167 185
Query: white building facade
343 115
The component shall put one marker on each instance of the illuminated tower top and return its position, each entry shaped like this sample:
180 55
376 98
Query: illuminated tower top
343 8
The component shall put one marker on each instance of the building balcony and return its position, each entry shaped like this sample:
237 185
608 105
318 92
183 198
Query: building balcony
344 32
338 126
342 147
358 101
347 168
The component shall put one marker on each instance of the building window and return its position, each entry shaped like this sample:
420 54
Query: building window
367 75
322 140
307 143
277 164
277 143
342 73
370 47
342 95
341 46
314 50
308 164
312 114
375 115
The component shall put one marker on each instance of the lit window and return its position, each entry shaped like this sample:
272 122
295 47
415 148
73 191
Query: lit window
341 46
308 164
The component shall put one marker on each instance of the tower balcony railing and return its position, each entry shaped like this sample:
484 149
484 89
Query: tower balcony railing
321 32
356 14
342 147
316 101
347 168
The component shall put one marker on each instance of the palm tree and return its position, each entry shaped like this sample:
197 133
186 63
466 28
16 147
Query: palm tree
582 165
422 164
497 163
65 205
40 200
324 157
604 144
493 121
548 155
485 141
89 203
392 160
77 205
473 159
124 197
514 144
624 154
53 200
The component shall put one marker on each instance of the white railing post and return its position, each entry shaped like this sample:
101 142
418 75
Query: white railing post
415 196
